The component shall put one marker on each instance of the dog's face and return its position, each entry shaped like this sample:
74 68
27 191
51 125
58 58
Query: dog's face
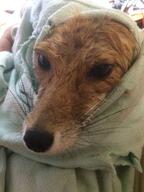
76 67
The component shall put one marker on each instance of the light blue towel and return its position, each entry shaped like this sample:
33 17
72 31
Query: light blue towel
106 166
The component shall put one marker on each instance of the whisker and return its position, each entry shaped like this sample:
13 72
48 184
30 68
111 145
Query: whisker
34 84
85 123
14 123
88 113
83 142
23 103
18 103
31 96
17 113
26 96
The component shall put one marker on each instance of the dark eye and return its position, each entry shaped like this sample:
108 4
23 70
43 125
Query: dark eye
100 71
43 62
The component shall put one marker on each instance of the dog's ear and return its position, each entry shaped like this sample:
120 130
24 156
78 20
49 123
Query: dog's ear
6 41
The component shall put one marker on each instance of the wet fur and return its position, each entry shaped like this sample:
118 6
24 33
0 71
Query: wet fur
66 93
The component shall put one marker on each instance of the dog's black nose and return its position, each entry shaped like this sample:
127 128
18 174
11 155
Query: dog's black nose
37 140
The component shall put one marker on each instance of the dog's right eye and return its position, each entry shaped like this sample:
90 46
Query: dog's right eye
100 71
43 62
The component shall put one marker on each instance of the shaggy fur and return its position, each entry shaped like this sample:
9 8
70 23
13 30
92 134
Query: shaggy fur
70 87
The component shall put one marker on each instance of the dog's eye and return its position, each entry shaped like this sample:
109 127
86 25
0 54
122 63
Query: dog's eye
100 71
43 62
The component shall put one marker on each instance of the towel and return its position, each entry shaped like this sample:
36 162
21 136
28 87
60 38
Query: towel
109 161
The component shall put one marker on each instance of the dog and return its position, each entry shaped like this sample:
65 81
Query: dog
76 68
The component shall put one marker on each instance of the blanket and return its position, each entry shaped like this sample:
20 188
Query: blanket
106 165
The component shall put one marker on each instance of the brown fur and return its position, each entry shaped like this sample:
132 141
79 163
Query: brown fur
66 93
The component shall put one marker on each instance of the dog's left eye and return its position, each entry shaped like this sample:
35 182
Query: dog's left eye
43 62
100 71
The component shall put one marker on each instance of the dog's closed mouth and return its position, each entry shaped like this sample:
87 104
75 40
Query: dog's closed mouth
76 67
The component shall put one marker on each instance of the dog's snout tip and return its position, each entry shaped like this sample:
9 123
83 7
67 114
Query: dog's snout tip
37 140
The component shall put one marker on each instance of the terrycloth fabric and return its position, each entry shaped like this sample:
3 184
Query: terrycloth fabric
106 166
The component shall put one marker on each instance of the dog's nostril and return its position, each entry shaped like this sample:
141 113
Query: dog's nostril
38 141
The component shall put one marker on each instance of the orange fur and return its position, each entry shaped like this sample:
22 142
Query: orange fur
66 92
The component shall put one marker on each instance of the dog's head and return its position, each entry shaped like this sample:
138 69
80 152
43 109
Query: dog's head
76 67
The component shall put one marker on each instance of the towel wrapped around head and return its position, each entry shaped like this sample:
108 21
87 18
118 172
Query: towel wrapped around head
108 164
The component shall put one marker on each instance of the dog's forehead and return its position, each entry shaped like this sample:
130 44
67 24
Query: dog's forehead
83 39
